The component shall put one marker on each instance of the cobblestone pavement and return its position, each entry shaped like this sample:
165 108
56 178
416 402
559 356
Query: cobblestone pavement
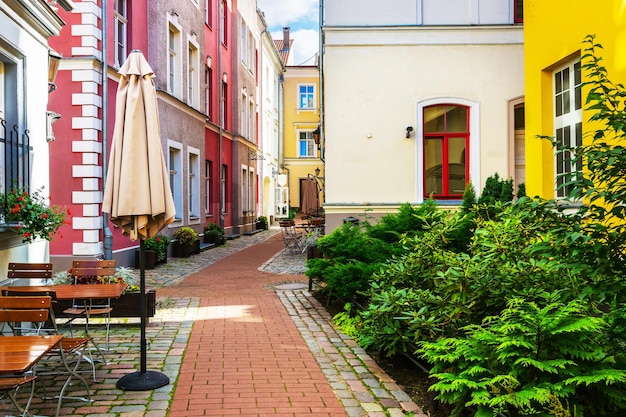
362 388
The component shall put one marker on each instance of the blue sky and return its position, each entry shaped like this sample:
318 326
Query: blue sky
302 17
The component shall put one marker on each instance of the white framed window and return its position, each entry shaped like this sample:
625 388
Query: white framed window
224 197
244 114
174 61
223 22
175 166
252 191
208 12
120 23
567 122
208 92
208 185
193 94
251 124
243 40
193 183
306 144
244 189
306 96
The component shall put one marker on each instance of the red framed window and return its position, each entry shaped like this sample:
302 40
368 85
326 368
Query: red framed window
446 150
518 9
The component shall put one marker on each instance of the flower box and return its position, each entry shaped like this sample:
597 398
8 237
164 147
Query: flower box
125 306
150 259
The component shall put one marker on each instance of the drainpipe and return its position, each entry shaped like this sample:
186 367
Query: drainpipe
108 236
321 67
281 132
221 112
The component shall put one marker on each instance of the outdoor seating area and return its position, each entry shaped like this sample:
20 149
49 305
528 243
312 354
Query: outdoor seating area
301 234
37 348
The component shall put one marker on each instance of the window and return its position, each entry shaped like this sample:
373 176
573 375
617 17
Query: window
244 115
446 150
251 115
192 75
224 22
193 184
518 8
174 62
175 163
208 186
208 92
120 22
567 123
224 105
244 43
244 190
306 97
306 144
224 189
251 191
208 12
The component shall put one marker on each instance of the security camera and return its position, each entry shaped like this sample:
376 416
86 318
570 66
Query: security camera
409 129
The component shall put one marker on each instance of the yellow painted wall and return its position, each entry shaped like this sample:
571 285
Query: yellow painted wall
554 32
295 119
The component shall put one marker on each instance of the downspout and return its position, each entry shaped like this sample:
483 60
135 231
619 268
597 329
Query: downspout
108 236
221 111
321 67
281 127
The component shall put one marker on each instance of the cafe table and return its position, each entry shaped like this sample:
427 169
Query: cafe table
19 354
87 293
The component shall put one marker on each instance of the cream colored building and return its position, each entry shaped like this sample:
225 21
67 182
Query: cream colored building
418 98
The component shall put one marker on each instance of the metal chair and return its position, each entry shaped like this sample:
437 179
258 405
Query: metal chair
293 239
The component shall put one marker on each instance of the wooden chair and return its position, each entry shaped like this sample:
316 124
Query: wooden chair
35 310
29 271
91 271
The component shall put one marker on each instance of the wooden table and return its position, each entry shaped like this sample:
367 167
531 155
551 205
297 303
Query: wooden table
74 291
20 353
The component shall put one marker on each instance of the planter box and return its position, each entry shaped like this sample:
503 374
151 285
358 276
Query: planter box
150 256
125 306
184 251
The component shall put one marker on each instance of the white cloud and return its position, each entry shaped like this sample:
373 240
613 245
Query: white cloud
301 16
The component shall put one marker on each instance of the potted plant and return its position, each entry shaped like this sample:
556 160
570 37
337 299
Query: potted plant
159 245
29 214
213 233
185 242
262 223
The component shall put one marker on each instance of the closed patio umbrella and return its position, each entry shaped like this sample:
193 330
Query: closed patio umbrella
137 194
310 194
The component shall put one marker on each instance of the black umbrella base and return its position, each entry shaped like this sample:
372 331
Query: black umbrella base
142 381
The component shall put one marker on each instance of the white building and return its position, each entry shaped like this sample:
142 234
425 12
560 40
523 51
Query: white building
418 99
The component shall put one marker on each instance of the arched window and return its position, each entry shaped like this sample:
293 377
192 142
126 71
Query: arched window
446 141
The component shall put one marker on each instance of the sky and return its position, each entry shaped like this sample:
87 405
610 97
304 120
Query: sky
301 16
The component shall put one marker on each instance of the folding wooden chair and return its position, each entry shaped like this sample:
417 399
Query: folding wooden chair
29 271
35 310
9 386
91 271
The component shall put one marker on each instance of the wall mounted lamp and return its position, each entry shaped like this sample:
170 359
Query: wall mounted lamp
317 171
409 129
316 135
54 59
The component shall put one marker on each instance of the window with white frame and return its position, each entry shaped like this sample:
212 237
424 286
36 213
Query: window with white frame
120 22
252 191
224 197
244 190
306 144
567 123
251 52
208 186
306 96
243 39
224 104
174 61
208 12
193 183
175 164
244 114
208 92
192 74
252 115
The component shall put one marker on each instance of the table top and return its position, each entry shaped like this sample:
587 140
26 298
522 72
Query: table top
19 353
75 291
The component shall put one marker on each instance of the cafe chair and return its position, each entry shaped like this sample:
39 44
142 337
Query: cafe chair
29 271
293 239
9 386
91 271
35 310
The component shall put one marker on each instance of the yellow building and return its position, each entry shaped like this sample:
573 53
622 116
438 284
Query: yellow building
302 162
555 103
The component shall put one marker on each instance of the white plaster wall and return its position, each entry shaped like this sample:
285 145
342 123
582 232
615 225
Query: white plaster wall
374 81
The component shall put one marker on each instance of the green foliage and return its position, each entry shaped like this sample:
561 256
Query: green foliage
185 236
216 232
159 244
262 223
531 359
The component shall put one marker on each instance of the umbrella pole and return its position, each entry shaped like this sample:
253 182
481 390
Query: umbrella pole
143 380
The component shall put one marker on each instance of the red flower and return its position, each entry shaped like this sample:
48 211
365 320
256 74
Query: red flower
16 209
44 216
157 239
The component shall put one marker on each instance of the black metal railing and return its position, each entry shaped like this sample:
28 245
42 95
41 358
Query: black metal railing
15 151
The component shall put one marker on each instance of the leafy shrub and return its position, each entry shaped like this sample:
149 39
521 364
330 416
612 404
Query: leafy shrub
185 236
